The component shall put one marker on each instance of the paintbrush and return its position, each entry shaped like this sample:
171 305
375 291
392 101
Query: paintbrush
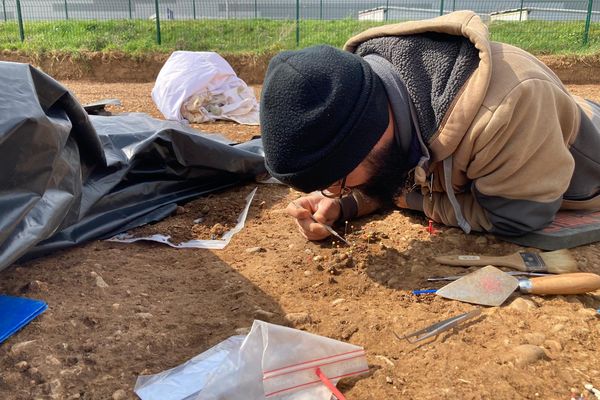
327 227
556 262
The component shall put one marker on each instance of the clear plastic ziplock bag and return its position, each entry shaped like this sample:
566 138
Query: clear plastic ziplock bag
277 363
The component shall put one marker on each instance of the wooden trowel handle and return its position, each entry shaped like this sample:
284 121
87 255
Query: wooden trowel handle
575 283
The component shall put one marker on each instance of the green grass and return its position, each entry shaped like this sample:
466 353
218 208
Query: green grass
548 38
258 36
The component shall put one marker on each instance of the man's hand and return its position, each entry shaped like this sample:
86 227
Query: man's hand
323 209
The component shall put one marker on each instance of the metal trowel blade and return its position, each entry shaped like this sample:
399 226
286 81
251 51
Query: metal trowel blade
488 286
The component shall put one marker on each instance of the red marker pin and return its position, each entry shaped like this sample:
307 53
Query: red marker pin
430 228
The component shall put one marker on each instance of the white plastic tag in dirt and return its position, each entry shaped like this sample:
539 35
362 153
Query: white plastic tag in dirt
201 86
272 362
215 244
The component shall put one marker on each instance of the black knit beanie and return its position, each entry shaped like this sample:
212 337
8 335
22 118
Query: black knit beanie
322 110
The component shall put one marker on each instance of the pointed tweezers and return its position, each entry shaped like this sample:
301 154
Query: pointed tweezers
439 327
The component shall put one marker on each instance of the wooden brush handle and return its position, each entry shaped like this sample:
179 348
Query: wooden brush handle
465 260
576 283
512 261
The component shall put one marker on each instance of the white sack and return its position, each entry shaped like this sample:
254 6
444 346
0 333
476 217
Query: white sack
201 86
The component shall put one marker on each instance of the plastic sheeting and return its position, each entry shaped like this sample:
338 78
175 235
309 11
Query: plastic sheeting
272 362
68 177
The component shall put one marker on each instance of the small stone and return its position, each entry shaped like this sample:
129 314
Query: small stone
116 306
333 270
119 395
180 210
255 250
35 287
51 360
205 209
298 318
318 258
307 273
416 268
394 281
535 338
588 313
22 366
99 281
557 328
337 301
144 315
481 241
553 345
263 315
18 347
389 380
522 305
53 388
526 354
242 331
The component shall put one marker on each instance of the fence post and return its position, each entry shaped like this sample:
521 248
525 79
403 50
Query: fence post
387 9
194 8
321 9
521 11
255 9
297 23
20 18
66 11
453 5
4 8
157 22
130 13
588 18
441 7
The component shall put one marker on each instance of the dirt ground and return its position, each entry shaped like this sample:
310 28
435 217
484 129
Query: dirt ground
161 306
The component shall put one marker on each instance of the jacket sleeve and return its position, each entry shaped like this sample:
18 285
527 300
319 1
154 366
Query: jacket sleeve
519 164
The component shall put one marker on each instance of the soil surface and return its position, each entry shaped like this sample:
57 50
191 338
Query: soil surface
120 310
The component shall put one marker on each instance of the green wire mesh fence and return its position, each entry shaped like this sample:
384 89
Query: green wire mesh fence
268 25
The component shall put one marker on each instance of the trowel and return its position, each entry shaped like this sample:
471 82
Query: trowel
491 287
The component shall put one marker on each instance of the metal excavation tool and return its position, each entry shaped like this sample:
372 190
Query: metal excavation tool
456 277
439 327
491 287
327 227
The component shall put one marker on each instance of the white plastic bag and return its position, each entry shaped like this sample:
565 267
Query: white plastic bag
200 87
273 362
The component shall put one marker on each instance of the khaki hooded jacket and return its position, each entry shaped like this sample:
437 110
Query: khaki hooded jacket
503 159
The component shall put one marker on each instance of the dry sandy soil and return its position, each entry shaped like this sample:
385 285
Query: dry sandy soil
163 306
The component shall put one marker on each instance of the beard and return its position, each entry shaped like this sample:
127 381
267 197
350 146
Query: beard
389 169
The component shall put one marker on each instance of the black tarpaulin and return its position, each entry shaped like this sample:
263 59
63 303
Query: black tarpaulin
68 177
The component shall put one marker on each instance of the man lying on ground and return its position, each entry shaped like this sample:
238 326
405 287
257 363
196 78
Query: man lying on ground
432 116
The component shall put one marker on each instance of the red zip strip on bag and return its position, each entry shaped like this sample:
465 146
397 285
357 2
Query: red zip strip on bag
329 384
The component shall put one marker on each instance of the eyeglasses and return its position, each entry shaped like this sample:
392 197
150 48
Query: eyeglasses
337 190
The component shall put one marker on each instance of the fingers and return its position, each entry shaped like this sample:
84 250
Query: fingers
311 230
308 209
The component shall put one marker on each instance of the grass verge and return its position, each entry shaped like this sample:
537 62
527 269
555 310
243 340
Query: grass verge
259 36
